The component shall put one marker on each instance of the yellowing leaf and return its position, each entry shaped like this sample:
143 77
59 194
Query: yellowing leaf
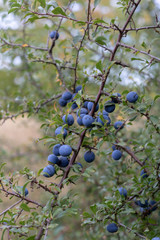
25 45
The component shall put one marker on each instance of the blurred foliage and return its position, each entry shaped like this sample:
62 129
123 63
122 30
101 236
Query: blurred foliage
90 199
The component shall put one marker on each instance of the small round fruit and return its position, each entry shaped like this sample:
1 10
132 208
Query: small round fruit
151 203
79 120
87 120
82 111
144 174
156 238
67 95
132 97
114 147
53 159
112 228
109 106
118 124
89 156
65 150
54 34
56 149
48 171
78 88
63 161
140 204
68 119
74 106
100 121
25 191
58 131
116 154
62 102
122 191
79 164
116 97
85 104
90 106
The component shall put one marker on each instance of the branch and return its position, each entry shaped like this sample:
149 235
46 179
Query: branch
123 31
131 154
22 45
21 197
6 210
138 51
36 109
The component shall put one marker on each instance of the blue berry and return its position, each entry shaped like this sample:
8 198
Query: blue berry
112 228
79 120
122 191
151 203
89 156
48 171
25 191
85 104
82 111
74 106
99 121
118 124
116 154
54 34
62 102
132 97
63 161
79 164
87 120
65 150
78 88
156 238
53 159
56 149
67 95
90 106
143 174
114 147
109 106
68 119
58 131
116 97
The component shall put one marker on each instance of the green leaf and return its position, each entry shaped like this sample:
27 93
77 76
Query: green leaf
12 10
137 59
93 208
25 207
59 10
42 3
98 21
133 118
96 2
101 40
144 45
99 66
31 237
156 97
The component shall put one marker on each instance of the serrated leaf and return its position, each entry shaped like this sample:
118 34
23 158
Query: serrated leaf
25 207
59 10
99 66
